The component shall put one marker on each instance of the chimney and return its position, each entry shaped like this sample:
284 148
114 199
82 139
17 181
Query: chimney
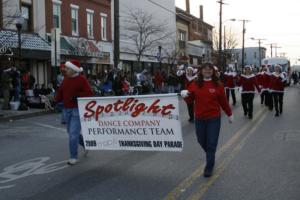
187 5
201 12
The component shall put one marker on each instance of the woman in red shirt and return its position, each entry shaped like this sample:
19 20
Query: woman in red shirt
209 97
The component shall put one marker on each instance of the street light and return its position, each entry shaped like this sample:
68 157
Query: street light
259 50
19 23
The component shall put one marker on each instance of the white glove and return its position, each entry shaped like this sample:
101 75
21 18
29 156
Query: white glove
184 93
230 119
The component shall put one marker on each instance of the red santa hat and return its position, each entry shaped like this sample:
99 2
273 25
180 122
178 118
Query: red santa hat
74 65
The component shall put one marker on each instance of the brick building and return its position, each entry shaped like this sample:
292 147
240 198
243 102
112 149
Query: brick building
194 35
86 32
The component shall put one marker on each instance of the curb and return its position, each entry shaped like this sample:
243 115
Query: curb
25 116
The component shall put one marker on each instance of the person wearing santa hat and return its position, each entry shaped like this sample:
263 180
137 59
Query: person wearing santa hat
230 79
263 81
209 97
73 86
248 84
277 83
190 74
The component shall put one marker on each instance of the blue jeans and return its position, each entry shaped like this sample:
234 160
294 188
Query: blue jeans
73 129
207 131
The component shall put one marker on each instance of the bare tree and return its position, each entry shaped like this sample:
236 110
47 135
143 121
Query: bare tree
231 40
140 29
173 54
9 13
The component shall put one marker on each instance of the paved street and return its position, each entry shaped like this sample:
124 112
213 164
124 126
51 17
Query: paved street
256 159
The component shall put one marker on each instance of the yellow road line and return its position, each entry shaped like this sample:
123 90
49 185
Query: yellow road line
186 183
200 191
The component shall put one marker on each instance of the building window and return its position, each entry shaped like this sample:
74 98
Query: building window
191 60
90 22
56 14
74 17
255 55
26 13
182 39
104 26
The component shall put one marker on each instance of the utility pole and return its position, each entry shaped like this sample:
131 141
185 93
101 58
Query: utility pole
116 32
221 2
259 48
243 48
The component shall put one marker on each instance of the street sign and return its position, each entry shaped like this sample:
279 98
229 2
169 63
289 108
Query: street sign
138 123
55 47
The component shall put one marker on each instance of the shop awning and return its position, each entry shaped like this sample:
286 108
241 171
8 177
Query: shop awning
30 41
65 47
83 47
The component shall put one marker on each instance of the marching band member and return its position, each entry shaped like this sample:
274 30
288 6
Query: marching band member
248 84
277 83
230 79
209 96
190 74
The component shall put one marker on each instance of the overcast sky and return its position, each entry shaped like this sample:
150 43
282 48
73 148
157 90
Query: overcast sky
276 21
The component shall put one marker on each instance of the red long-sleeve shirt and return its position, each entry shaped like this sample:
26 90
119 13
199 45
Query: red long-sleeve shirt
248 83
71 88
277 82
263 80
209 99
230 78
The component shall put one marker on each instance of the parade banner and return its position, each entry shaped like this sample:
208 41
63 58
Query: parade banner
139 123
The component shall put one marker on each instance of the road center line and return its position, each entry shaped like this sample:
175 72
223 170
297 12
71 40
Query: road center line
49 126
200 191
186 183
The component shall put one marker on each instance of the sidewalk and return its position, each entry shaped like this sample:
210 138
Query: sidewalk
7 115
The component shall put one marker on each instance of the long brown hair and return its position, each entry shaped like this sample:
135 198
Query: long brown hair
215 78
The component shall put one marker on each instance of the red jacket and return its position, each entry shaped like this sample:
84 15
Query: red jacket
277 82
230 78
187 84
263 80
209 99
248 83
259 79
71 88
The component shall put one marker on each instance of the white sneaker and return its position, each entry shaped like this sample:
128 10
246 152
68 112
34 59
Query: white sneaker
72 161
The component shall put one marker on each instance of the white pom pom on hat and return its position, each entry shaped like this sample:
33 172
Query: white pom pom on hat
74 65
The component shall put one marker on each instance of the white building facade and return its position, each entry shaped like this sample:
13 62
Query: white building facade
162 13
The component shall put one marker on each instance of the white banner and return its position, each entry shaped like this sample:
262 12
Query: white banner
140 123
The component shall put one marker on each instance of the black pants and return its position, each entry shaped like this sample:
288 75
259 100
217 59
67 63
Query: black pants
190 107
232 91
264 98
247 102
269 99
278 101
